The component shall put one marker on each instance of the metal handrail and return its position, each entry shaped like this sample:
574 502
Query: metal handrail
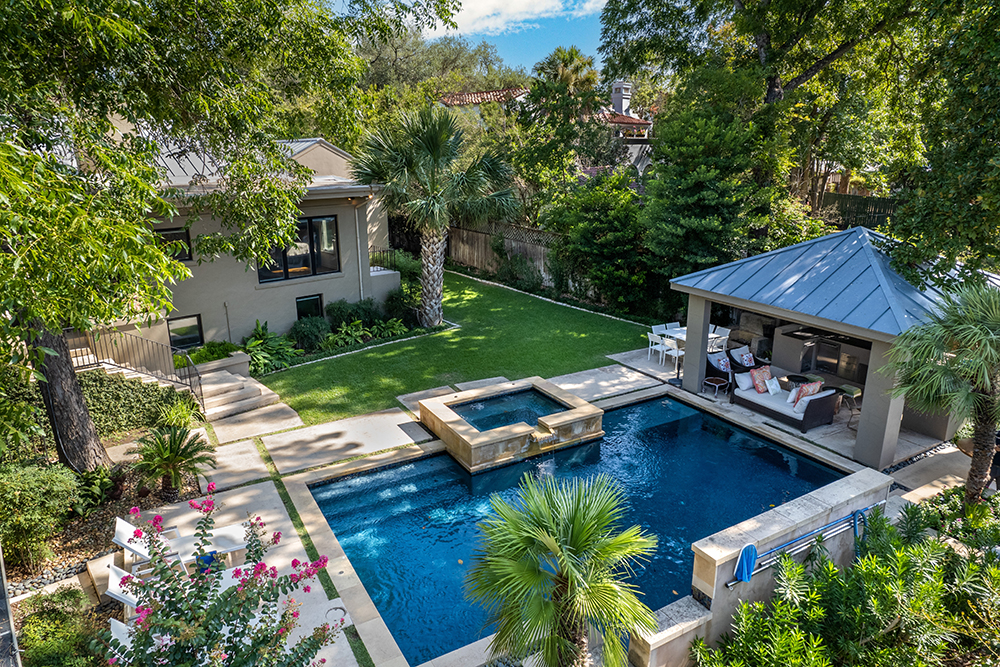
119 349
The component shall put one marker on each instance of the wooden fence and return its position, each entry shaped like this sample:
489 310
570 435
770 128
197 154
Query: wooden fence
859 211
472 246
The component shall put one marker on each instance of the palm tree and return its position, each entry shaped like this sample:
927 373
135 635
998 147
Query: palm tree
569 67
168 454
420 165
952 363
553 563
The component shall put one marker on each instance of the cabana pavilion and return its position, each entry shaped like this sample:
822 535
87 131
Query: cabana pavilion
838 306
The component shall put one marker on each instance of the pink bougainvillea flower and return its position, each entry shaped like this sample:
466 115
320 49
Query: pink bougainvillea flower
281 631
194 504
134 511
137 533
295 562
307 589
211 487
276 537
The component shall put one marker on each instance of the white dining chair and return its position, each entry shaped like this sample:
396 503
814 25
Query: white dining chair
672 325
659 329
657 344
673 349
720 342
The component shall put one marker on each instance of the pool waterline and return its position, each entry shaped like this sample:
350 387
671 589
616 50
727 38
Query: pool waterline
436 496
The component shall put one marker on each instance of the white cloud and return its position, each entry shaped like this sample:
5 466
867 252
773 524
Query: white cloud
492 17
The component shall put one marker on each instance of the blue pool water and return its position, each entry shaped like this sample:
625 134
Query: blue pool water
410 531
520 406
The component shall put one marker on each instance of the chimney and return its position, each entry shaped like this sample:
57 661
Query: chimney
621 96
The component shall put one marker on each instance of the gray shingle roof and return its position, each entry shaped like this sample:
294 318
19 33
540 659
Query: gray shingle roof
842 277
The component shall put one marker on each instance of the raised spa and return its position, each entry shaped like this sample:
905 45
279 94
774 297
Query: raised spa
495 425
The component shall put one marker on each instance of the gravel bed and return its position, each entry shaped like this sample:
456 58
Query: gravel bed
913 459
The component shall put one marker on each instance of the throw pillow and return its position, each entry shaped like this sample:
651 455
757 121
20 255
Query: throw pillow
724 365
801 406
791 396
747 359
743 381
760 377
773 387
807 390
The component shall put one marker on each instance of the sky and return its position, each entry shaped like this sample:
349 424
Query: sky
525 31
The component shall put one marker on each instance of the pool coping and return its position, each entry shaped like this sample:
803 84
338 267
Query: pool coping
367 620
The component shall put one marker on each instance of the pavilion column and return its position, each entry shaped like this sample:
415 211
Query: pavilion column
881 414
696 345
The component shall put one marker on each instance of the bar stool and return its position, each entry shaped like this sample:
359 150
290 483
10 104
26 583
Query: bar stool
851 394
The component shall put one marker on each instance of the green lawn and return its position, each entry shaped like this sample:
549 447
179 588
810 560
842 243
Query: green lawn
502 333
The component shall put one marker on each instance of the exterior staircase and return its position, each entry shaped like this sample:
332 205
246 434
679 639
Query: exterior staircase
227 394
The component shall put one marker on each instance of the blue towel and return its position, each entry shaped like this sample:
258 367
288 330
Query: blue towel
746 563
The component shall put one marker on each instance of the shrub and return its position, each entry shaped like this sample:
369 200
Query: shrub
340 312
34 501
168 455
388 329
409 267
515 270
347 334
180 413
400 306
57 630
268 351
213 350
98 486
198 621
309 332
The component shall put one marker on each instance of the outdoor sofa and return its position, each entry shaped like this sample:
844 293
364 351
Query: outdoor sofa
819 410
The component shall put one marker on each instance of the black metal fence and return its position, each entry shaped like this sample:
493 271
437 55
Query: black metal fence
112 349
384 258
859 211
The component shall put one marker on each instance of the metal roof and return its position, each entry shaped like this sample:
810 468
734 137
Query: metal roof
843 278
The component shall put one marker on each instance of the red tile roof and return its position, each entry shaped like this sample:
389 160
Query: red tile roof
465 99
616 118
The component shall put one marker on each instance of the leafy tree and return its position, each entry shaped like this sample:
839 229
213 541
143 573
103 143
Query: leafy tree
167 454
604 240
93 92
570 68
231 618
792 42
951 363
553 563
951 219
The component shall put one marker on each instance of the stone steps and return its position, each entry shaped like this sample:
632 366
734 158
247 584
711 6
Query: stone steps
264 398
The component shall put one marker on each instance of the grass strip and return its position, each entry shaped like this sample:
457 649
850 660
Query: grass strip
293 514
358 646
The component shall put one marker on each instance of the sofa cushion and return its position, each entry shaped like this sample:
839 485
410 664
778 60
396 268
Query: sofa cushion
760 377
720 361
800 406
774 402
744 381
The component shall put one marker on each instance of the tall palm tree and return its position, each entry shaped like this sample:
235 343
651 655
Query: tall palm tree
952 363
168 454
420 164
554 563
570 67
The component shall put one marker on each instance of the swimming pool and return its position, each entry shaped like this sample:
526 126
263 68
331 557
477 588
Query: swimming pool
410 531
506 409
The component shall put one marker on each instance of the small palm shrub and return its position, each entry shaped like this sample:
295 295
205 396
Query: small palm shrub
34 501
169 454
57 630
388 329
559 551
309 332
268 351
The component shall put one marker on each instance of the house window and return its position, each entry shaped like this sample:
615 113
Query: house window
181 235
314 252
309 306
185 332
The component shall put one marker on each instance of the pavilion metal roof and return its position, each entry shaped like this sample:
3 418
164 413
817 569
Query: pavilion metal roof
842 278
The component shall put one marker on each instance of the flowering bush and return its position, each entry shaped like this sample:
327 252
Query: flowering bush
190 621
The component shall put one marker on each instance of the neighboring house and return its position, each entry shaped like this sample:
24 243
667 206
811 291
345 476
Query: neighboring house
340 220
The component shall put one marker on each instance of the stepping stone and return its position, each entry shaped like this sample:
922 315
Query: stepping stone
276 417
604 382
343 439
410 401
238 463
476 384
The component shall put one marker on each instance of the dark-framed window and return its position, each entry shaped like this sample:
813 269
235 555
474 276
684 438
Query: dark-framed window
186 332
316 251
309 306
174 235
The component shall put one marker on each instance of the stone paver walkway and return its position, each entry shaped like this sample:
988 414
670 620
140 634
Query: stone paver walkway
477 384
335 441
263 500
410 401
236 463
276 417
944 469
604 382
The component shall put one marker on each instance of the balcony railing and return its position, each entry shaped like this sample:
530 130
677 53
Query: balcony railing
381 259
111 349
